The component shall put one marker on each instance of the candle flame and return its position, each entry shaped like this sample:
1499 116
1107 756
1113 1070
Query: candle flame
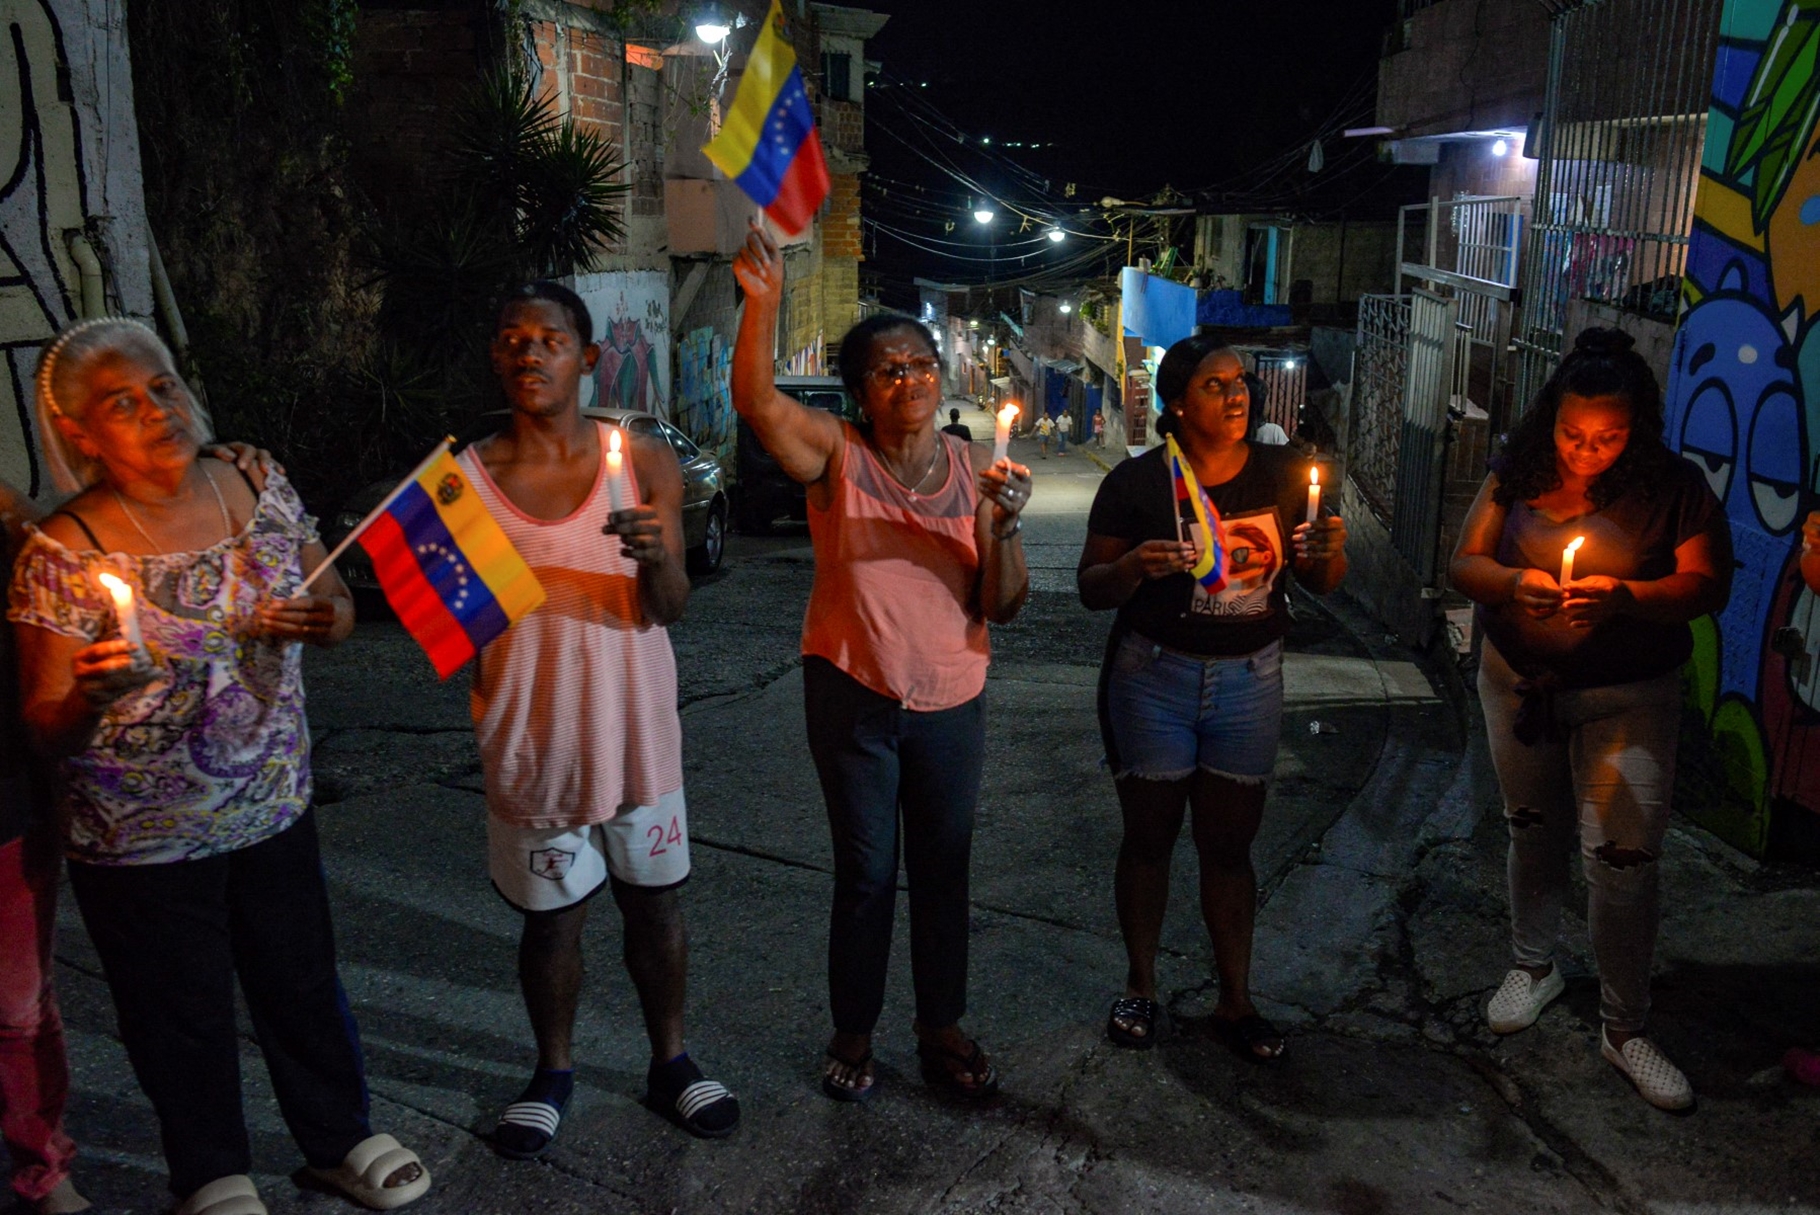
613 440
1577 542
116 587
1314 475
1007 413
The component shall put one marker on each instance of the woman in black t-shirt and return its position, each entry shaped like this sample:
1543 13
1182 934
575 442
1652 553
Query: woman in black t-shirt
1579 674
1191 695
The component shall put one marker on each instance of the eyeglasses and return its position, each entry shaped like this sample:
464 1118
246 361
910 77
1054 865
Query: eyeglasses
929 370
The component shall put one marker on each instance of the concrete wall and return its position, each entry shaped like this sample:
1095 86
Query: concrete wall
1343 261
69 164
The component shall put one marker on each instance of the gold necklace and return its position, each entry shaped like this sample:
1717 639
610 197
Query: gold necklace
911 487
227 523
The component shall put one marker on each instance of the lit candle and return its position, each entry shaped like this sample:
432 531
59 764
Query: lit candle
1314 493
1567 560
1001 434
125 609
616 473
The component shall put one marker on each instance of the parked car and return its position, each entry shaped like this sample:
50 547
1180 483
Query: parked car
765 493
704 512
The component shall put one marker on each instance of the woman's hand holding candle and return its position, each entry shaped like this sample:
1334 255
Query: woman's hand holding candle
1594 600
108 670
1007 485
1536 593
1319 539
1001 432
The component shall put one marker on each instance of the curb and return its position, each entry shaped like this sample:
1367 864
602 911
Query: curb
1088 452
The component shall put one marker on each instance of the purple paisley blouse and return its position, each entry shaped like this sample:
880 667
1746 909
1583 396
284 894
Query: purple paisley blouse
213 755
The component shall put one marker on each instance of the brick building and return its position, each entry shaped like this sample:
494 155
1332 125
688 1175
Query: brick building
663 295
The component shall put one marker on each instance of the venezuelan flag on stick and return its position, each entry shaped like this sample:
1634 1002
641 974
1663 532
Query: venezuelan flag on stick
447 569
1210 562
768 143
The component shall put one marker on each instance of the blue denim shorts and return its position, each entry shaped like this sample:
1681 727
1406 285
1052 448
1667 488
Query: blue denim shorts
1171 713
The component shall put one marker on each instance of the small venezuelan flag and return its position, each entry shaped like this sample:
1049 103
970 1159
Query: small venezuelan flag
1210 562
768 143
447 569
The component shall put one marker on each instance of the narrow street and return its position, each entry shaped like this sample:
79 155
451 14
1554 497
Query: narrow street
1380 935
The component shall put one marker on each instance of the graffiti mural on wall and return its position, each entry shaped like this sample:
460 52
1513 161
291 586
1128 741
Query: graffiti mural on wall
704 400
1743 397
39 163
631 311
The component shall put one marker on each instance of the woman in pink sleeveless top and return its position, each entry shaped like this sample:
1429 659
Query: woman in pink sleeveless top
916 549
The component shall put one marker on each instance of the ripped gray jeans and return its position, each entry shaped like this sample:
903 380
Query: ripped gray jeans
1608 779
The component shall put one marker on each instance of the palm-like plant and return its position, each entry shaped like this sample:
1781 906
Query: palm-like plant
568 199
556 186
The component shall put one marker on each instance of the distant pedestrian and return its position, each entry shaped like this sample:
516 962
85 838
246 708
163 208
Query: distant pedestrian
917 547
1191 693
957 428
1064 425
192 846
1045 429
1581 683
575 713
1099 429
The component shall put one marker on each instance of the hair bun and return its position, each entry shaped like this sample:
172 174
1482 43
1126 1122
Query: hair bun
1606 342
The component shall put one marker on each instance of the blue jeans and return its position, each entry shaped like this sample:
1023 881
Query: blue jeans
1172 713
878 761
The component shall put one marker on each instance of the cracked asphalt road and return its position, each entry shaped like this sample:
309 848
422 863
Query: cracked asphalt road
1380 935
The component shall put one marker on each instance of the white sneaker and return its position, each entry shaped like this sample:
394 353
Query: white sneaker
1660 1082
1520 999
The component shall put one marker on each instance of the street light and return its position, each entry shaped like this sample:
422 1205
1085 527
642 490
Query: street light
1066 307
711 26
983 214
1057 235
1501 147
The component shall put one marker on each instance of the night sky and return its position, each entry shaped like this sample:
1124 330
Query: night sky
1124 98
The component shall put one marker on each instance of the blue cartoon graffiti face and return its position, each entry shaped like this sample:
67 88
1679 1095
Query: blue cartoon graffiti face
1733 410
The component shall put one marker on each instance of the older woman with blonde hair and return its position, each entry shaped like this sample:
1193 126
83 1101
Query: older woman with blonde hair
157 616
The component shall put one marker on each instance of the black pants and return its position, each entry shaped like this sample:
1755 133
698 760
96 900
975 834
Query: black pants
172 939
877 759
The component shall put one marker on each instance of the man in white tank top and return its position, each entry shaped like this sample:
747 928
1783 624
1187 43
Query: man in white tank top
575 714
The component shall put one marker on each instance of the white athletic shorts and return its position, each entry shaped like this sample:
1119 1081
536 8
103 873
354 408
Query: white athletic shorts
548 870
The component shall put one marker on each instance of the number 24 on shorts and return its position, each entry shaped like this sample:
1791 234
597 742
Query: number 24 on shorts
661 840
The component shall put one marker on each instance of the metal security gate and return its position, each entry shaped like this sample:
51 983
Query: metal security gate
1375 427
1435 338
1623 123
1285 376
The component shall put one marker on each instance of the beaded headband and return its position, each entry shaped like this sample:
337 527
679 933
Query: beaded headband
47 362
